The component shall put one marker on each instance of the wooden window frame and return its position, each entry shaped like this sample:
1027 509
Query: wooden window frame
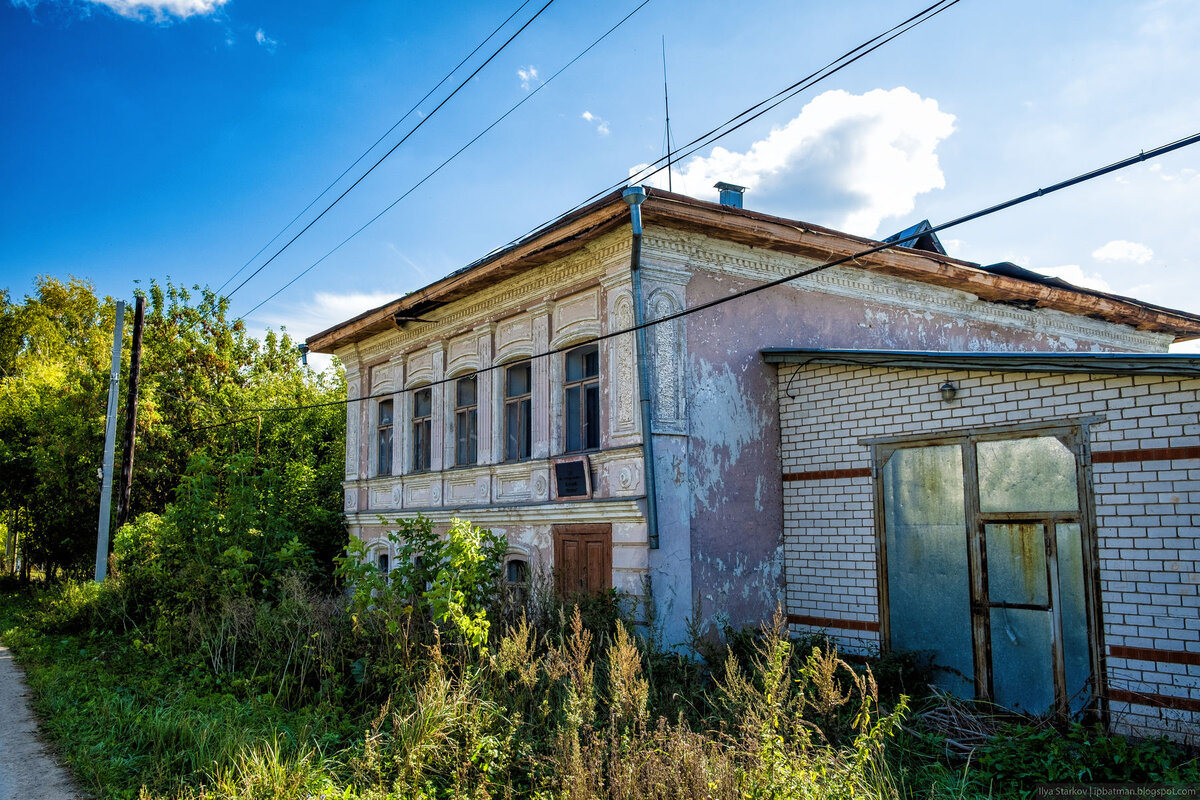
422 433
581 385
384 437
522 406
466 426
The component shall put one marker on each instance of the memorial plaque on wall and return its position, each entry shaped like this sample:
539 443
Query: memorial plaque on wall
571 478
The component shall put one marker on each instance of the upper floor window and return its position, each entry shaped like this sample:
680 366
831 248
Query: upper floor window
518 411
466 422
422 429
383 438
581 398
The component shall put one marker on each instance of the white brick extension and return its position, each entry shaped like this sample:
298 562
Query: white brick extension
1146 483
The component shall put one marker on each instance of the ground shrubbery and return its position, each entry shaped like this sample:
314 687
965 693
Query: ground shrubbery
246 682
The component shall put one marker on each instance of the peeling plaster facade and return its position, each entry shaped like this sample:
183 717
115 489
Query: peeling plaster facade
714 401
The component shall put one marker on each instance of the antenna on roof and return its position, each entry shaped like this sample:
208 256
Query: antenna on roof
667 109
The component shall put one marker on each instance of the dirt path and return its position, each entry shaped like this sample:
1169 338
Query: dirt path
27 772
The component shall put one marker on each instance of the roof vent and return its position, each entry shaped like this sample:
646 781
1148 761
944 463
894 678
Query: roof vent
731 194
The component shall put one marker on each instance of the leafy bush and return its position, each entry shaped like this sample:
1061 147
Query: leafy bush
1023 754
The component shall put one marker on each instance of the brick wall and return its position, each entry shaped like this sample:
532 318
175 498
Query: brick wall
1146 473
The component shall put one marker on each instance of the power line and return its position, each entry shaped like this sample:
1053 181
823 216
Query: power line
403 139
366 152
440 166
804 83
755 111
1078 179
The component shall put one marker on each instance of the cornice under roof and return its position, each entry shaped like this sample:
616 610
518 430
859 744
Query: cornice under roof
572 231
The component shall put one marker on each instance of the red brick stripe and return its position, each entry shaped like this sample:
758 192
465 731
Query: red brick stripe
1148 454
828 474
830 622
1155 700
1150 654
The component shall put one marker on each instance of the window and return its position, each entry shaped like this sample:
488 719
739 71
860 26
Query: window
518 416
466 422
581 396
422 428
383 438
984 542
381 562
516 579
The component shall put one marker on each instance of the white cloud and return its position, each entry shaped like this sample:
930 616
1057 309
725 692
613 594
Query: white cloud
527 75
601 124
265 41
1073 273
1121 250
1184 174
324 310
161 10
847 161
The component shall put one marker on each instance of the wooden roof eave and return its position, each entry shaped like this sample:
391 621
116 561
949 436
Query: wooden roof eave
570 234
755 229
823 245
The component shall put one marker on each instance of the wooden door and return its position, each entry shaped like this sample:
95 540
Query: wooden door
582 559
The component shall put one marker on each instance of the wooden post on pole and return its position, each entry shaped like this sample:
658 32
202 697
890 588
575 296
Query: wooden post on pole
110 444
131 403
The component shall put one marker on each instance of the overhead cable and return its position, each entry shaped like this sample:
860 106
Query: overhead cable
440 166
367 152
1037 193
393 149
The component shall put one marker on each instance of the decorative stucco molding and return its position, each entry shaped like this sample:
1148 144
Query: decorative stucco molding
761 265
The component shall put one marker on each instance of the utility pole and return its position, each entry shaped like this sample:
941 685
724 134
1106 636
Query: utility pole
110 443
667 109
131 402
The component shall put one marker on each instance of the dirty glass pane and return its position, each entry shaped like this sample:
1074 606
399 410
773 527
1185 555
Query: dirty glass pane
517 380
422 402
574 424
465 388
1033 474
1016 563
928 583
583 362
1022 660
1072 601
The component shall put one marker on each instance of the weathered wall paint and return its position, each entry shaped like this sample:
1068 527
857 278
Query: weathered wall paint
733 447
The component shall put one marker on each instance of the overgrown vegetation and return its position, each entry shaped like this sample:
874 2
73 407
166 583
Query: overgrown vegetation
242 649
275 690
203 380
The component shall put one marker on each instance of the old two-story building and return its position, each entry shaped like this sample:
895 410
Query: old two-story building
789 446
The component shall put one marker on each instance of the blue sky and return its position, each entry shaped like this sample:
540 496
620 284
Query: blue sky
156 138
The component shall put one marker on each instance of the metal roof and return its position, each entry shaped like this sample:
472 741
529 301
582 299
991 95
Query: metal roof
1096 363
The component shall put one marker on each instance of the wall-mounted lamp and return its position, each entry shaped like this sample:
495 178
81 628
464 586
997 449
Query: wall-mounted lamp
949 391
303 354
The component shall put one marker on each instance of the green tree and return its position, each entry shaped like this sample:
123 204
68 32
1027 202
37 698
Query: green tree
207 391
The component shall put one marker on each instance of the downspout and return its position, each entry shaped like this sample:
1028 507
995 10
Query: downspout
634 196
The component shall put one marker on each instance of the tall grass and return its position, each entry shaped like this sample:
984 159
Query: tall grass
300 698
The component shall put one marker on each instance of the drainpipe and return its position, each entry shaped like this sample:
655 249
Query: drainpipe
634 196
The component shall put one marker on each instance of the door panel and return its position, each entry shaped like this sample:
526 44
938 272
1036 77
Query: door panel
582 559
1016 563
1022 660
927 569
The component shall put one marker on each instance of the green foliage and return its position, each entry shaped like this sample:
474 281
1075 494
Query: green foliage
1024 754
204 381
451 580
